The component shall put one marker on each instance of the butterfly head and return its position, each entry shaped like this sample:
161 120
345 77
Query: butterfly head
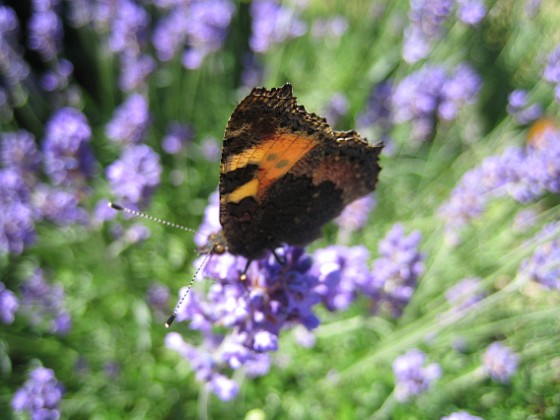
215 245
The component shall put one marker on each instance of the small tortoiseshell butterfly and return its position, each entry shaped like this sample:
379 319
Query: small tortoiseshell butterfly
284 173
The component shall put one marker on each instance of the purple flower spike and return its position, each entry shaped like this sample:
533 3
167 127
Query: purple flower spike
68 158
412 377
19 151
12 65
130 121
461 415
273 24
471 12
17 218
544 265
40 395
176 138
499 362
9 304
395 273
129 27
465 294
45 34
355 215
552 70
135 176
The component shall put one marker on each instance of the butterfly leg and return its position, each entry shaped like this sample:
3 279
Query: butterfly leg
243 275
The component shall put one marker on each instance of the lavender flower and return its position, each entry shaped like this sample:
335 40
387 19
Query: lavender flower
40 395
499 362
43 303
461 415
67 156
130 121
378 109
210 222
412 377
273 24
430 92
210 149
471 12
520 111
17 228
176 138
135 70
129 26
464 294
13 67
354 216
9 304
57 78
170 33
333 27
58 206
552 70
158 296
206 28
395 273
19 152
135 175
544 265
338 270
45 34
426 20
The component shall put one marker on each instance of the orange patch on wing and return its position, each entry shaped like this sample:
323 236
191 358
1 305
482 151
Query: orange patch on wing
275 156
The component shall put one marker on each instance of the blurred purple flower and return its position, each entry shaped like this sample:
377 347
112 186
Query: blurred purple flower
338 270
544 265
208 21
58 206
18 151
552 70
103 212
40 395
461 415
458 90
465 294
44 5
378 109
158 296
532 8
471 12
135 69
67 156
272 24
9 304
499 362
176 138
17 227
337 107
135 175
333 27
395 273
225 388
129 26
210 222
170 33
130 121
426 20
253 70
137 232
45 34
412 377
43 304
354 216
210 149
13 67
57 78
520 110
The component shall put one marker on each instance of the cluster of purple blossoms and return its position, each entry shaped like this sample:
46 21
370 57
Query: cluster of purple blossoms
176 138
58 77
552 71
427 19
42 303
394 275
465 294
13 67
40 395
135 176
412 375
18 151
354 217
9 304
45 30
544 265
520 110
58 206
461 415
273 23
130 121
17 218
431 93
202 25
337 108
68 158
523 173
499 362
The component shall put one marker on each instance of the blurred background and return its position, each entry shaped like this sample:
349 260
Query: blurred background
435 297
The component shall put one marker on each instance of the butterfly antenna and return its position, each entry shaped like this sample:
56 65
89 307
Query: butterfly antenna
189 287
147 216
